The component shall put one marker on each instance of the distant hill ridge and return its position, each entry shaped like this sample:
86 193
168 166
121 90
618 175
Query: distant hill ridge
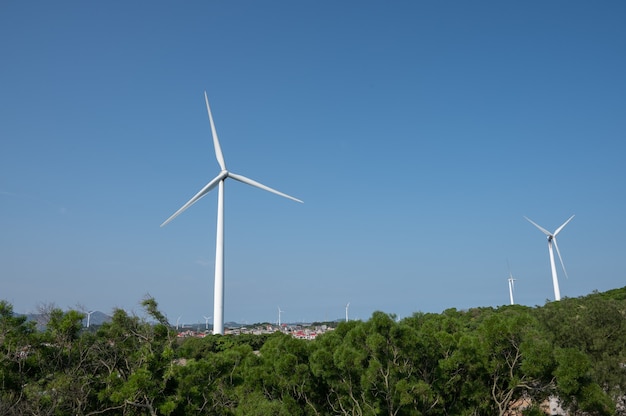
96 318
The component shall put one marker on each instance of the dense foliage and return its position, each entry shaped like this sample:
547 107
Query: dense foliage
484 361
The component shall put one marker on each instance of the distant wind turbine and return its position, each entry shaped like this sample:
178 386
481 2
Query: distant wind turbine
218 300
347 306
511 283
279 313
511 287
552 238
89 318
206 322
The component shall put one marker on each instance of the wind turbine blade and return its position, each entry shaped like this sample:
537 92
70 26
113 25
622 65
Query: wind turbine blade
558 230
546 232
260 186
216 143
207 188
560 258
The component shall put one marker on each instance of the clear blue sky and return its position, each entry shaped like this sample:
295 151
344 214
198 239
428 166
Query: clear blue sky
418 134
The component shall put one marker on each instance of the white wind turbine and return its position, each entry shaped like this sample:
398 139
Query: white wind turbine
552 238
511 287
206 322
89 318
280 311
347 306
218 299
511 283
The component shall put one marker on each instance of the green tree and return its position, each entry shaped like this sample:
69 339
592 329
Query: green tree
281 375
62 379
516 357
338 360
15 347
375 368
589 334
137 363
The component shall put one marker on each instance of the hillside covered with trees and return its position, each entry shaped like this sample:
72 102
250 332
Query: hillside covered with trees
482 361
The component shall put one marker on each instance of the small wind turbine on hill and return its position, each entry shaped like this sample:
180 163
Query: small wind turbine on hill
347 306
89 318
552 238
218 299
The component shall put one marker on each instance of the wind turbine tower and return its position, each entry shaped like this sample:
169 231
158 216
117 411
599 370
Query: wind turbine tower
347 306
511 287
279 313
218 181
552 239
